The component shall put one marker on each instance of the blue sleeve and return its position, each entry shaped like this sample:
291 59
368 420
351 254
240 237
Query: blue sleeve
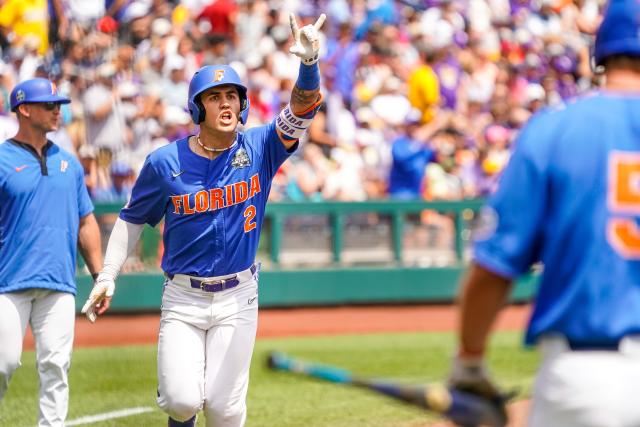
85 205
511 225
275 153
148 199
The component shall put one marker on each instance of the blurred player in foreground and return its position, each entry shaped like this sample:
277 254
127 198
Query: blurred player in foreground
570 198
211 189
45 213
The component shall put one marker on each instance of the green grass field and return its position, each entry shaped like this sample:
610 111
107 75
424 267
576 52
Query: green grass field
110 379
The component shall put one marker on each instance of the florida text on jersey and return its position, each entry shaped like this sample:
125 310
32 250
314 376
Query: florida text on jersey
213 209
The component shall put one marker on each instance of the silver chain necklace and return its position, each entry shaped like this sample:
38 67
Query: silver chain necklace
214 150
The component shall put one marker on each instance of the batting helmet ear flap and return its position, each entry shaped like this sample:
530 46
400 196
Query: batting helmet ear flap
203 112
244 110
196 110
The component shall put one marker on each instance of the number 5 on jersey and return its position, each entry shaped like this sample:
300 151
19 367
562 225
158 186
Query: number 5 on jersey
623 233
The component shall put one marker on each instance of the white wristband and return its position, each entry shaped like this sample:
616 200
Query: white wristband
311 60
290 124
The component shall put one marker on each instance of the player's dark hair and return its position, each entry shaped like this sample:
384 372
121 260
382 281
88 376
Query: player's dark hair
622 61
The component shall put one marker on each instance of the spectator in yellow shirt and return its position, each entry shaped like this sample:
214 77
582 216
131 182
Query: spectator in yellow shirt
19 18
424 88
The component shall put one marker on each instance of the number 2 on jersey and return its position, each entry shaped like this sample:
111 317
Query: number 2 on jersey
249 215
623 233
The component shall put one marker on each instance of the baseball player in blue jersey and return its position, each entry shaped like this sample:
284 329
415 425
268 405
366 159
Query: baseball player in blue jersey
45 212
570 198
410 153
211 189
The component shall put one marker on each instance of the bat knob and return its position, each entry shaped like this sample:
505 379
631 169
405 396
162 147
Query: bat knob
273 360
271 364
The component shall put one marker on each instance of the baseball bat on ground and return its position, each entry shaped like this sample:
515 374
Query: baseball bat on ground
462 408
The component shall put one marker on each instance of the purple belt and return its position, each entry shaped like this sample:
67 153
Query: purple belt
216 285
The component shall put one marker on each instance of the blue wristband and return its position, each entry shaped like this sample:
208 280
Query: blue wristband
308 77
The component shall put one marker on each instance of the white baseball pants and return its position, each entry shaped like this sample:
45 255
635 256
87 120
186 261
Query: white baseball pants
587 388
204 352
51 315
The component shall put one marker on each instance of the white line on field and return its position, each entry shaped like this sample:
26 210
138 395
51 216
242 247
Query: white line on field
109 415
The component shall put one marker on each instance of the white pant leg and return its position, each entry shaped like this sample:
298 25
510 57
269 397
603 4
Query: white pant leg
15 308
229 349
629 378
181 347
52 323
586 388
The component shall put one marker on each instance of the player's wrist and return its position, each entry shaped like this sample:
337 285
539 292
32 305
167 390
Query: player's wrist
308 75
310 60
104 276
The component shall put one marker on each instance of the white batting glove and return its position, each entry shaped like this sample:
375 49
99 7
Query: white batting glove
100 297
307 40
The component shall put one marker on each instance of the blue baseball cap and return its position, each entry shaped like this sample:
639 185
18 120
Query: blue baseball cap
619 33
35 91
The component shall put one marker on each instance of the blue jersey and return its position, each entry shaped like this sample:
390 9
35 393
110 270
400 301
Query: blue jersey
213 209
410 158
41 203
570 198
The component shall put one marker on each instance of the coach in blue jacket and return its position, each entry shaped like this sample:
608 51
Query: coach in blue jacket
45 212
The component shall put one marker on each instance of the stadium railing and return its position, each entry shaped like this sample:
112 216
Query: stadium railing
337 280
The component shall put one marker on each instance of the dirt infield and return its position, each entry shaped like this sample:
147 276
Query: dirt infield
112 330
143 329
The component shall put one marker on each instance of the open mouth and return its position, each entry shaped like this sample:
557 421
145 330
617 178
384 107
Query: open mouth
226 116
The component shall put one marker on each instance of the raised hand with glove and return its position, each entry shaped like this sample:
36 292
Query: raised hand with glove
307 40
306 98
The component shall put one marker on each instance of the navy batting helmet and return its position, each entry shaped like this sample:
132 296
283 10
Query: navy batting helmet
212 76
35 90
619 33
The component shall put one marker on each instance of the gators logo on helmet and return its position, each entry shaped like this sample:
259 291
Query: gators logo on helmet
20 96
218 75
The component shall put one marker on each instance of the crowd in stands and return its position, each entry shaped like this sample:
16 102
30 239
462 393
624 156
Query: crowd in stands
422 99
